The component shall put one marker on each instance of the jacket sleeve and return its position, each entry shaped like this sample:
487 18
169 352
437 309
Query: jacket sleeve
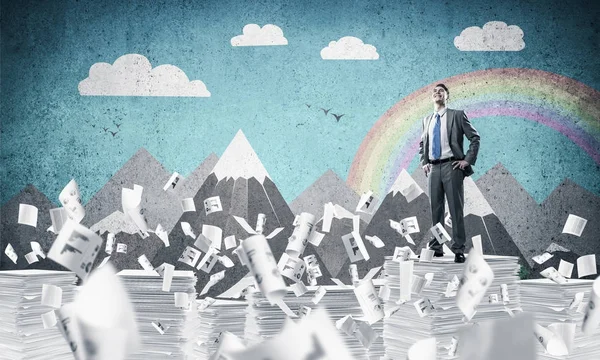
423 160
473 136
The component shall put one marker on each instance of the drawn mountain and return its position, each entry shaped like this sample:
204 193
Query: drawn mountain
160 207
515 209
191 184
20 235
245 189
115 223
328 188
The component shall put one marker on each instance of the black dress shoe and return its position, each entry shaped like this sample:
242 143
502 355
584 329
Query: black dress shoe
459 258
438 253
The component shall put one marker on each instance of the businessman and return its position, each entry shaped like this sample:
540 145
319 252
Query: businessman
445 165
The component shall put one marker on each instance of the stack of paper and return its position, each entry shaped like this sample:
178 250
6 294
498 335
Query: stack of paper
28 299
166 319
216 316
429 304
265 320
563 305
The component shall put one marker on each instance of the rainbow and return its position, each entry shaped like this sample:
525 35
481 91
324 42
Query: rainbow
556 101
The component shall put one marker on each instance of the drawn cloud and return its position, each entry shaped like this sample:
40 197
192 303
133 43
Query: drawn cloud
133 75
254 35
349 48
494 36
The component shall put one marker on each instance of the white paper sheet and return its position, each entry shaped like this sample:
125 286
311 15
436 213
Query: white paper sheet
328 210
212 205
565 268
70 198
51 296
28 215
477 244
586 265
167 276
299 238
110 243
214 234
553 274
230 242
162 235
145 263
187 229
122 248
76 248
190 256
574 225
214 278
263 267
375 241
540 259
31 257
131 200
291 268
369 301
188 205
477 278
208 261
440 233
59 217
173 181
49 319
406 276
591 320
225 261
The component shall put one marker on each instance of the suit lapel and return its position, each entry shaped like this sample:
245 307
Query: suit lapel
449 122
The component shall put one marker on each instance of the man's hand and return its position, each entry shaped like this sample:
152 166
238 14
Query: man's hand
427 169
461 164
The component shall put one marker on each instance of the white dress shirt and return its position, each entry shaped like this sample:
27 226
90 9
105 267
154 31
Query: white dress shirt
446 151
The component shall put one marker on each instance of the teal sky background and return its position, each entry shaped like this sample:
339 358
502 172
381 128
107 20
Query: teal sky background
51 134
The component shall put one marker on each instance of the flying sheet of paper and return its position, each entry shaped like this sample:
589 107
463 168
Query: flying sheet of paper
365 335
591 320
110 243
425 349
159 327
214 234
384 292
261 220
291 268
162 235
49 319
31 258
367 203
477 244
540 259
553 274
214 279
501 339
299 288
299 239
565 268
208 261
375 241
104 261
76 248
230 242
339 212
190 256
493 299
353 270
304 311
187 229
448 220
11 253
225 261
356 223
244 224
51 296
188 205
313 338
105 317
586 265
406 275
145 263
426 255
321 291
203 243
577 299
403 253
566 332
58 216
310 260
371 273
122 248
70 198
167 276
315 238
553 344
263 267
37 249
182 300
328 210
172 182
369 301
28 215
424 307
477 278
441 234
574 225
418 283
212 205
131 200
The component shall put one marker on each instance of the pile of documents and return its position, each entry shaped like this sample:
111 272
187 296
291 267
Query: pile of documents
422 301
265 321
561 308
166 319
28 300
216 316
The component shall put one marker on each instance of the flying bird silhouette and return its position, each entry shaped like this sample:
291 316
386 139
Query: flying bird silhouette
307 105
113 133
117 125
337 117
325 111
105 129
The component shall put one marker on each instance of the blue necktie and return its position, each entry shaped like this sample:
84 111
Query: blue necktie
437 143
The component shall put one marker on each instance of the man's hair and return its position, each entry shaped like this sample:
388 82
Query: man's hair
443 87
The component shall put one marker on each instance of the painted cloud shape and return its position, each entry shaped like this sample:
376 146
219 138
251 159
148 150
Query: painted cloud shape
349 48
133 75
494 36
254 35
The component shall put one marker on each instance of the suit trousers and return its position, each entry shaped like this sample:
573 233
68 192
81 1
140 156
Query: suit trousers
444 180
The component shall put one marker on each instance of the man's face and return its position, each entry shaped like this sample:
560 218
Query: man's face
439 95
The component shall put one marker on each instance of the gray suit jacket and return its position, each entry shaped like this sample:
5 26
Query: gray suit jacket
458 126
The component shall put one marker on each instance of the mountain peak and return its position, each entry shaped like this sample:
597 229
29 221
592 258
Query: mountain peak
240 160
